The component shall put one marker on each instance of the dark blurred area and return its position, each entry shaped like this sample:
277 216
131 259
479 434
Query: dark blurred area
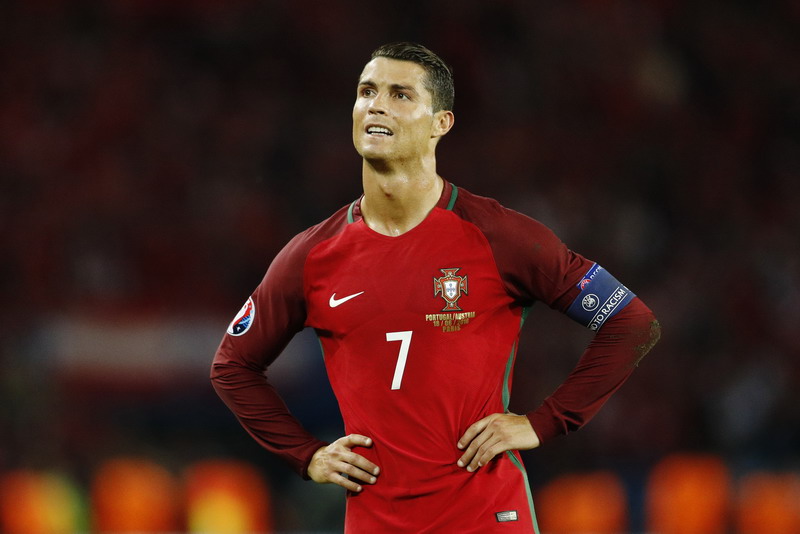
155 156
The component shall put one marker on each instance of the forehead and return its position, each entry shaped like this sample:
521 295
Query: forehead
387 71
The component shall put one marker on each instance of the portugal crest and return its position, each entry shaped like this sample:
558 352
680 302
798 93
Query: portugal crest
451 286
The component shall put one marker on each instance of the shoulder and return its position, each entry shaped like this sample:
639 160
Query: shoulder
288 265
298 248
532 261
497 222
284 277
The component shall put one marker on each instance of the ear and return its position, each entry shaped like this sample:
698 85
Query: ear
442 123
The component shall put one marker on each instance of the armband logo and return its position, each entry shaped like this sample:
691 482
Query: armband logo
590 302
589 276
601 297
243 320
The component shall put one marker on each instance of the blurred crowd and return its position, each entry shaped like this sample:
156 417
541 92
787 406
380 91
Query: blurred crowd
155 155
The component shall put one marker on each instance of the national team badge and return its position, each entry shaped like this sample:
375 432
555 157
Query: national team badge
451 286
243 320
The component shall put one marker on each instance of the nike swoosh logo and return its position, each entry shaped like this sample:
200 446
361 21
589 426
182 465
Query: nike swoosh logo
336 302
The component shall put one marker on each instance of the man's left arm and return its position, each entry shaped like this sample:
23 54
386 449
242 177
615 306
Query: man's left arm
536 265
617 348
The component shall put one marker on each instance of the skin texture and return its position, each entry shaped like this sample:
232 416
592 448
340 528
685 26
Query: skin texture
493 435
329 464
399 170
401 187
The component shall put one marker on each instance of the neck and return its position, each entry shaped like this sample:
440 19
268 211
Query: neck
398 198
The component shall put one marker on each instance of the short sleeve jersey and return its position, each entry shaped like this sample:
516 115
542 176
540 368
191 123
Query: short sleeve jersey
419 333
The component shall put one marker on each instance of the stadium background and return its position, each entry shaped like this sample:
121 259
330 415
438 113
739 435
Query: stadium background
154 156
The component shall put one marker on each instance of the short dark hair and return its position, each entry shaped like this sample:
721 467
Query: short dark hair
439 79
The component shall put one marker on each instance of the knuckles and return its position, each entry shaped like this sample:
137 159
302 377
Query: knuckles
500 429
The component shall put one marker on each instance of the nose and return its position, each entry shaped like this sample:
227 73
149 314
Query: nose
376 106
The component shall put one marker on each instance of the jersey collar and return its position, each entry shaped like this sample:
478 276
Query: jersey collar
446 201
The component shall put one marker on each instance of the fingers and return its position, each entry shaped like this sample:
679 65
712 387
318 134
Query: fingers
472 431
350 478
357 440
481 449
338 464
493 435
472 439
354 466
345 482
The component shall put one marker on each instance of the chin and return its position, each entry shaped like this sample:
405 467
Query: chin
372 153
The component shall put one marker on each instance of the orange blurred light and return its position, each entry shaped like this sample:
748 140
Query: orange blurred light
227 497
688 494
33 502
134 495
768 504
583 503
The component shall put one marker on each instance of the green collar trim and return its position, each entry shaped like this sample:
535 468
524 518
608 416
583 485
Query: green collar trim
453 197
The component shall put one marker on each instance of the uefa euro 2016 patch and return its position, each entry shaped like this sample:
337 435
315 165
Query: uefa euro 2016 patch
244 319
601 297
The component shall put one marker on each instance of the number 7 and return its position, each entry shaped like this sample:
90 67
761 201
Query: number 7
405 343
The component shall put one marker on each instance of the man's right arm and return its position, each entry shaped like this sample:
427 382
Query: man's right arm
251 344
257 335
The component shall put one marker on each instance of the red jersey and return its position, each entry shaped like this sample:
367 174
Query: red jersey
419 333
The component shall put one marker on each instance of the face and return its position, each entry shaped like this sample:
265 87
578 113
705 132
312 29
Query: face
393 116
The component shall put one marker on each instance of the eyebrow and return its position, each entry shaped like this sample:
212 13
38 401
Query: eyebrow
393 87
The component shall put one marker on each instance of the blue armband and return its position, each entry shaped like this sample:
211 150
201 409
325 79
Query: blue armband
601 297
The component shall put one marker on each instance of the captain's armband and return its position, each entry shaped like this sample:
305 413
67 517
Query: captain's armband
601 297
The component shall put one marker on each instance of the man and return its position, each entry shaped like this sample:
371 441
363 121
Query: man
417 292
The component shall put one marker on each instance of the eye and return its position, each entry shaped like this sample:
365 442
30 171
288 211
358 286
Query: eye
401 96
367 91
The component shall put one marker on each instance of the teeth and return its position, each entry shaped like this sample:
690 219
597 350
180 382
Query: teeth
379 130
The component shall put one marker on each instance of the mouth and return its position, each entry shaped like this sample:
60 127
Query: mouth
379 131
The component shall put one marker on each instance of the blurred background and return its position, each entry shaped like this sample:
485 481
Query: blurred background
155 156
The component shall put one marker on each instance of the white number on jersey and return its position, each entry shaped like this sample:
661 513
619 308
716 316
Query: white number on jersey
405 343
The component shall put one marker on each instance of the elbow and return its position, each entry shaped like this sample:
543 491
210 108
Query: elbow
216 376
635 328
651 336
228 373
222 369
215 367
224 378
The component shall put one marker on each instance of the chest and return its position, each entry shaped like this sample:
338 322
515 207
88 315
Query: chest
443 276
